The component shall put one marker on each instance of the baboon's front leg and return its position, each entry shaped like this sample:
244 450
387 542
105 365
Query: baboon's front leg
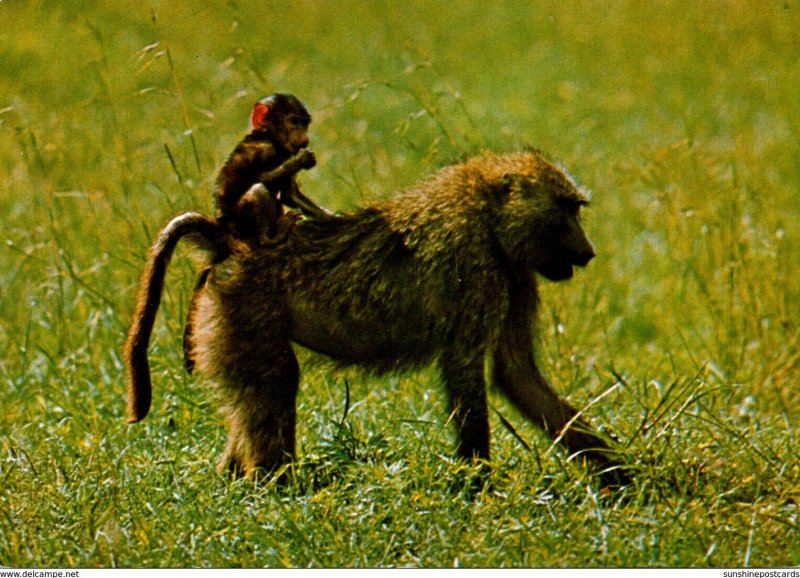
292 197
260 415
514 372
463 378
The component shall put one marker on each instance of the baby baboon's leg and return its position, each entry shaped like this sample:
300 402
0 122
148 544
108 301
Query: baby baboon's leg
260 414
266 210
463 379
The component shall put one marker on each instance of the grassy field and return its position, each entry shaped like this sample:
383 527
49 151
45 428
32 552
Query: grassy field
682 117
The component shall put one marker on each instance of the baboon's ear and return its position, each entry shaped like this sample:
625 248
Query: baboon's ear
259 116
508 183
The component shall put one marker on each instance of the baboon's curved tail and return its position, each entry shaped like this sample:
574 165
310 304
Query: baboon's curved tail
207 235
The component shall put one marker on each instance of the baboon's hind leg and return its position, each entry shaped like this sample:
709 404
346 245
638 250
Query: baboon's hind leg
260 415
463 379
188 331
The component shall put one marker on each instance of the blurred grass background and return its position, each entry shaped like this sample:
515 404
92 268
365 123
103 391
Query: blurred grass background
682 117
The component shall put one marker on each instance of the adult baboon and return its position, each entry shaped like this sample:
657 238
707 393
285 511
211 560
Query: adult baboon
444 273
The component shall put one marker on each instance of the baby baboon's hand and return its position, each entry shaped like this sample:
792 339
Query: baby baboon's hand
306 158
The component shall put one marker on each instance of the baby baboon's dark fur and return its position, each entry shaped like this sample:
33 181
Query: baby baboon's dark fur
444 273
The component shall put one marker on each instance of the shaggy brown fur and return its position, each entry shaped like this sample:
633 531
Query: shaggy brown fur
444 273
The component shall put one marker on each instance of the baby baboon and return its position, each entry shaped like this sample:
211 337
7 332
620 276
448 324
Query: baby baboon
258 177
445 273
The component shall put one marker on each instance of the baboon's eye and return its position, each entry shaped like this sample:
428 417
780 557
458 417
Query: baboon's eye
572 206
298 121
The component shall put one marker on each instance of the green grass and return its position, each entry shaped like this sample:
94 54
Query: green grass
682 117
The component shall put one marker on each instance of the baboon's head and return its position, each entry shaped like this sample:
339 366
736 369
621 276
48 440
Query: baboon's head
540 221
285 118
